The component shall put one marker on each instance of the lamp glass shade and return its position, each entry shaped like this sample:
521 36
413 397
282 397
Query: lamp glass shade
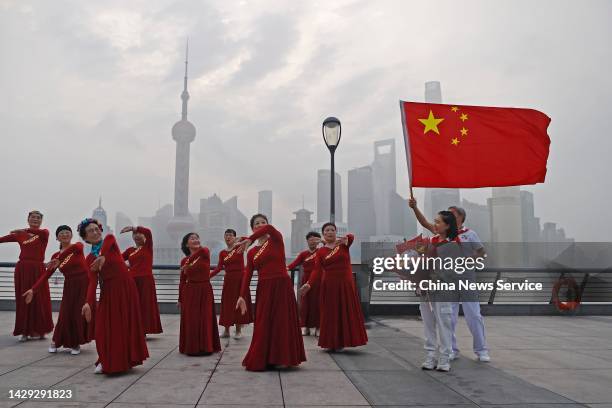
331 132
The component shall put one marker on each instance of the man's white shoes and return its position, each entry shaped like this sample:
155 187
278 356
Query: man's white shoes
484 357
98 369
429 363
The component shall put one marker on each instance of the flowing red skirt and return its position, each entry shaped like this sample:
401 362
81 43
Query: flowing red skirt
72 329
120 339
342 323
276 336
33 319
310 306
199 333
229 316
149 309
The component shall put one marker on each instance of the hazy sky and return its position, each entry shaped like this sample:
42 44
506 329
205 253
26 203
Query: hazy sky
90 91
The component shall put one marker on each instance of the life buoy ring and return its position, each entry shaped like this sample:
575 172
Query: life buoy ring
572 302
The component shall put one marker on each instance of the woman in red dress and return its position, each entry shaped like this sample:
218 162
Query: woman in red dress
33 320
199 334
140 259
120 339
309 302
232 261
276 336
71 329
342 323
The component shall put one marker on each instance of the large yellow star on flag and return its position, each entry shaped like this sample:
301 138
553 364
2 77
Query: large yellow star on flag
431 123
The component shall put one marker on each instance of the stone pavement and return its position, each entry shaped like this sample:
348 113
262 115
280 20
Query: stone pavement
538 362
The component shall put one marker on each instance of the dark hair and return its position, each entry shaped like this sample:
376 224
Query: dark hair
230 231
258 215
459 211
35 212
184 247
83 225
449 219
327 224
62 228
313 234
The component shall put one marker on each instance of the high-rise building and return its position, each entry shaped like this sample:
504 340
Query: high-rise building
99 214
361 213
323 198
403 222
530 223
300 226
384 176
437 199
215 217
264 204
478 218
183 133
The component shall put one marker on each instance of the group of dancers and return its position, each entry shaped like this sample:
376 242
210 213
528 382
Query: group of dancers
127 310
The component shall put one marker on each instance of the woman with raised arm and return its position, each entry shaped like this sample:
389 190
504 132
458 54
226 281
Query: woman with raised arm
120 339
71 330
140 259
34 319
199 334
309 302
276 337
342 323
232 261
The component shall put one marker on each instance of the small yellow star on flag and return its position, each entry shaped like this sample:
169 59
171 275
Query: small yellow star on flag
455 141
454 109
464 132
431 123
463 117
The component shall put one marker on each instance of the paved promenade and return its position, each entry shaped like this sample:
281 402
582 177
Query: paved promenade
539 362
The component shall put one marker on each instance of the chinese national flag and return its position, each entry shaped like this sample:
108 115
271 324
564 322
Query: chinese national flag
474 146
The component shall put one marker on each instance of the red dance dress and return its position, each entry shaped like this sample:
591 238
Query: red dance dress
233 263
33 319
342 323
310 311
141 268
119 335
276 336
71 329
198 333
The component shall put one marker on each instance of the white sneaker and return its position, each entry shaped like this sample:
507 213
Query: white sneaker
75 351
98 369
429 363
23 338
316 332
305 331
237 335
484 357
52 349
443 364
454 355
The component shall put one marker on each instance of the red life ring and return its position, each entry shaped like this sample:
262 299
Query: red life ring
572 287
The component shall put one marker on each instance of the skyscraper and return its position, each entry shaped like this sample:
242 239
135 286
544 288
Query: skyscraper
361 214
437 199
384 177
99 214
264 204
215 217
323 198
183 133
300 226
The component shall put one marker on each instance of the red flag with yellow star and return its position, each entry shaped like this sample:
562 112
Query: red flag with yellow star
474 146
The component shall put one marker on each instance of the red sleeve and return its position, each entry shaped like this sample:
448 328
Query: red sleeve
148 237
350 238
91 288
182 279
248 275
220 264
42 233
126 254
109 245
297 261
317 271
267 229
10 238
48 272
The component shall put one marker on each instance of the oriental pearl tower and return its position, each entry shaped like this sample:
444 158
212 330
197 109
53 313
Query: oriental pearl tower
183 133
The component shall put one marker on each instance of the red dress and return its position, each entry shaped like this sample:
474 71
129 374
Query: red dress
310 310
120 339
71 329
233 264
33 319
198 333
141 268
276 336
342 323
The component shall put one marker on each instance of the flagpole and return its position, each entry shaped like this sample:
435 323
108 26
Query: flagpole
407 147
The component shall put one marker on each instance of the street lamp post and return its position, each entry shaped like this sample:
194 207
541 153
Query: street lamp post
332 131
